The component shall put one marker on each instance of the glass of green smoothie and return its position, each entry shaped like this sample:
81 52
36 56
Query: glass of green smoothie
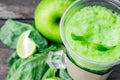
90 30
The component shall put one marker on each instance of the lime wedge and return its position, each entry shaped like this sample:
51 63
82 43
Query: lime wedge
25 46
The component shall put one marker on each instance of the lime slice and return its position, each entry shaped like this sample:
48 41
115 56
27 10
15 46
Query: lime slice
25 46
55 78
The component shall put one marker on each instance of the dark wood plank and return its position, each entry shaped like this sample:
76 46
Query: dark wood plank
115 75
20 2
17 8
4 55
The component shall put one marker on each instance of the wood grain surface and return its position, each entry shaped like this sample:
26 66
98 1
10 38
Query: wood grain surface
23 10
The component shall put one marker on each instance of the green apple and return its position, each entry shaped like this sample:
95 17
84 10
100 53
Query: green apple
47 17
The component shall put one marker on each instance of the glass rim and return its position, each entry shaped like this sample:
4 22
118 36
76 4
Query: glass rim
69 49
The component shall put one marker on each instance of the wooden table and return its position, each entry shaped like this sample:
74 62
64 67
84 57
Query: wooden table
23 10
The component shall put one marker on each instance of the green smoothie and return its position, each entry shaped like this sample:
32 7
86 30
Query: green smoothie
94 33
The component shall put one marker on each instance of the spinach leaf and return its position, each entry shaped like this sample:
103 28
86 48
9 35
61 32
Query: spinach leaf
32 68
11 30
64 75
54 47
49 74
39 40
14 57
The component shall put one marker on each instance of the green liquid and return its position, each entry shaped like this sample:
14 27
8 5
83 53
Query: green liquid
94 33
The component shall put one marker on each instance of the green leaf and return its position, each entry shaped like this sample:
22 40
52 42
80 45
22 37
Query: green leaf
39 40
11 30
64 75
49 74
32 68
14 57
79 38
54 47
94 45
101 48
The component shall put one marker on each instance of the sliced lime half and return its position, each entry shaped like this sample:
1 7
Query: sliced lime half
25 46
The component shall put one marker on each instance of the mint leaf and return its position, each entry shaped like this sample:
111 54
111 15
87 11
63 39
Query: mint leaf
94 45
79 38
101 47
